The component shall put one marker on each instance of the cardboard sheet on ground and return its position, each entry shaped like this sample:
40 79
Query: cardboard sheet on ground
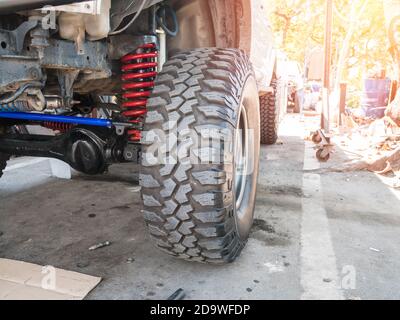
27 281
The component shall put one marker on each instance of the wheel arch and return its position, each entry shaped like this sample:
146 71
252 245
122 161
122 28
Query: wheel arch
219 23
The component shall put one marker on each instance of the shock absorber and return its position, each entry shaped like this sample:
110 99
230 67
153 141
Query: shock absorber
139 71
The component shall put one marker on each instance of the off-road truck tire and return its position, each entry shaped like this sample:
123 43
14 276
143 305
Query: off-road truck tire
296 104
202 211
269 116
3 162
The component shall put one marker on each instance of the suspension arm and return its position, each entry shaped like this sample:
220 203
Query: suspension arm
56 118
84 150
34 146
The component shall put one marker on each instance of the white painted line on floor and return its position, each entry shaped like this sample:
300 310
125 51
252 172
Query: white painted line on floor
310 160
319 275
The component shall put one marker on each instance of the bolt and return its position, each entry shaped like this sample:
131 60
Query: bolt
128 155
34 73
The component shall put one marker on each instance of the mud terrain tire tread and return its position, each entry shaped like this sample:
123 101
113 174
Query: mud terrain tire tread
269 117
188 208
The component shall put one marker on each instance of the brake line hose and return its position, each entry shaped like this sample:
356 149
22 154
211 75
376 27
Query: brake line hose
20 91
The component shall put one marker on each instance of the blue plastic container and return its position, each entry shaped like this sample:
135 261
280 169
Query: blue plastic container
375 97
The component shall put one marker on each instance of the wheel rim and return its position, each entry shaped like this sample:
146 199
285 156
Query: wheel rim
246 144
241 156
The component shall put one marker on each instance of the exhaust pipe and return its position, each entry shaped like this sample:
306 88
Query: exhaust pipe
12 6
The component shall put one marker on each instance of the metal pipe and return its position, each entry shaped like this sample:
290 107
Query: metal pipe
325 117
12 6
20 91
56 118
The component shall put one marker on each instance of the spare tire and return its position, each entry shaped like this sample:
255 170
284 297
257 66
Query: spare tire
269 116
199 206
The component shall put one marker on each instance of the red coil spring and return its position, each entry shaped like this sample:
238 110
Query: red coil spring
56 126
139 71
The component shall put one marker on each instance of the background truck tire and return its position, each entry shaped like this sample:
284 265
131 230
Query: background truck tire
194 210
3 162
296 104
269 116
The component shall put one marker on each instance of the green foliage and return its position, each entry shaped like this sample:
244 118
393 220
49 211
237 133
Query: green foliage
299 26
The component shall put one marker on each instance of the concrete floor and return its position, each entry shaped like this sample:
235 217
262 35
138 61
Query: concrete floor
316 236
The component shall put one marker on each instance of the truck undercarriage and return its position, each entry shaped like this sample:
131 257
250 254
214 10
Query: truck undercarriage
59 72
110 79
